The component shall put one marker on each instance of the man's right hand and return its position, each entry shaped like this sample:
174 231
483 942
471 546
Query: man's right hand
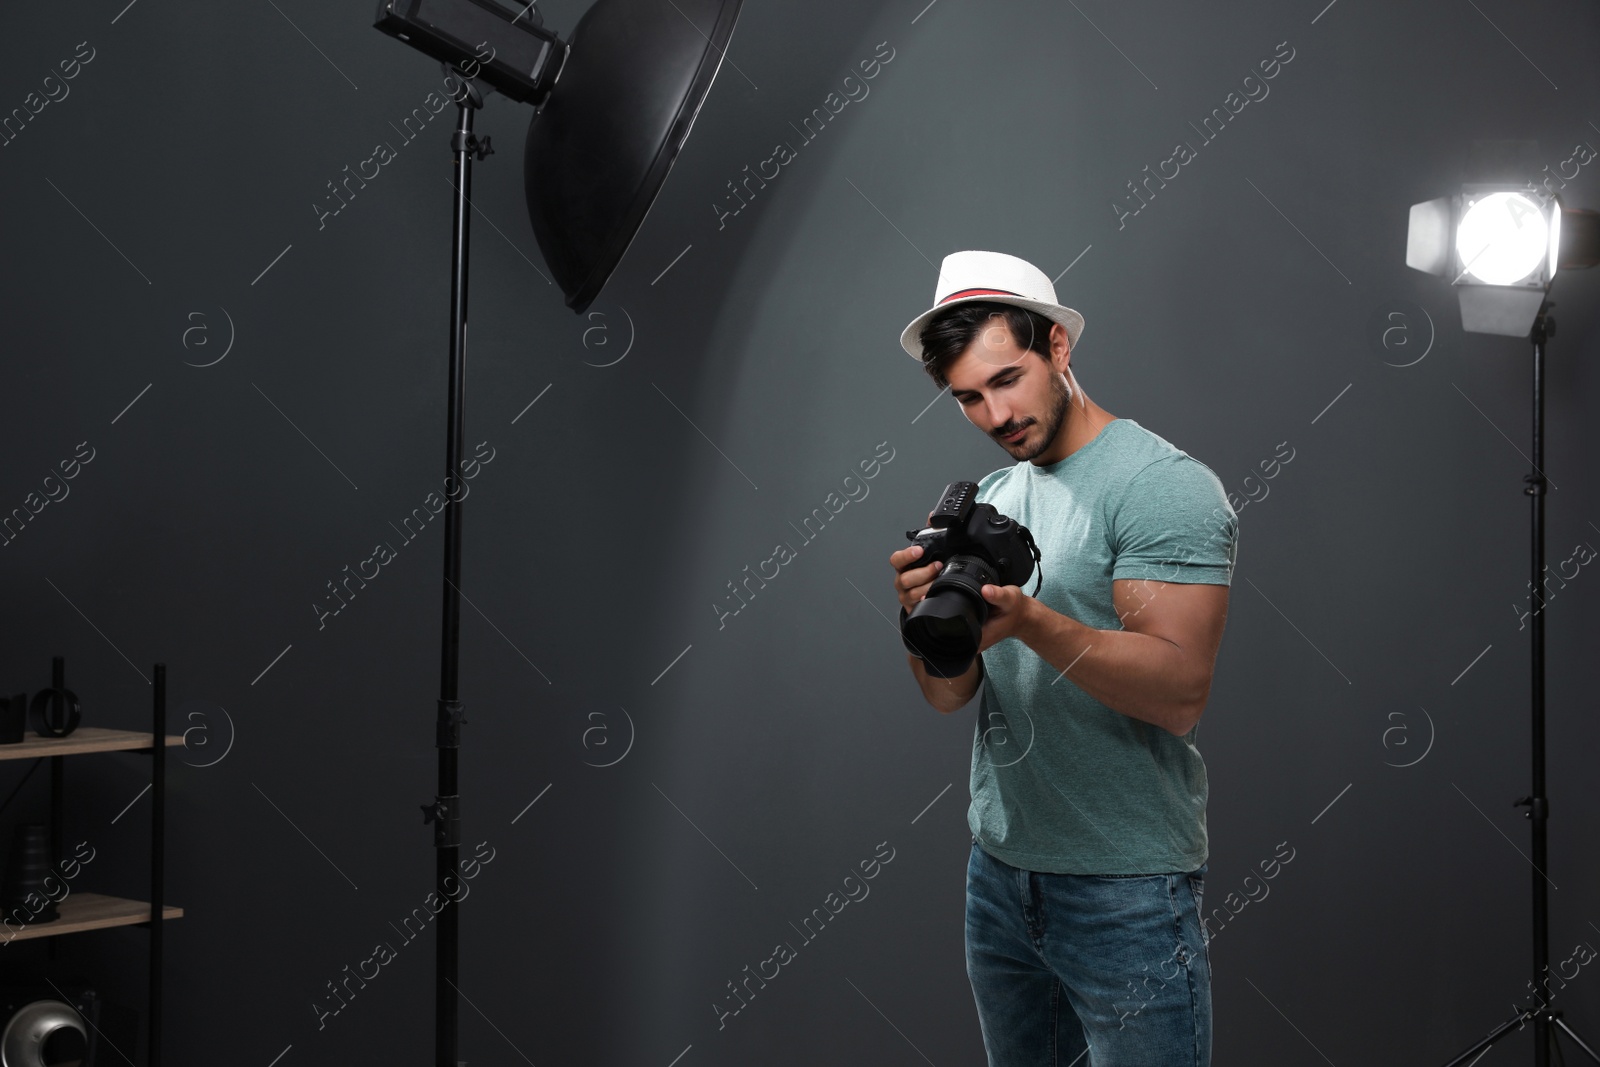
912 580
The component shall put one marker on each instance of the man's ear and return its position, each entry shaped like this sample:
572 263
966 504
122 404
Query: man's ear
1060 348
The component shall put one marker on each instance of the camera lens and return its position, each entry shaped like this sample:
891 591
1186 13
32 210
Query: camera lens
946 626
945 630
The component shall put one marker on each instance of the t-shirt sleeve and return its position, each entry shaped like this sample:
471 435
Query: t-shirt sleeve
1174 524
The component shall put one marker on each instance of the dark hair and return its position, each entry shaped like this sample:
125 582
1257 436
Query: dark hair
951 332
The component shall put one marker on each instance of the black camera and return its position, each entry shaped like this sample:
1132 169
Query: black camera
979 547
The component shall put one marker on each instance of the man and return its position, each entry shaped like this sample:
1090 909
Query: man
1089 845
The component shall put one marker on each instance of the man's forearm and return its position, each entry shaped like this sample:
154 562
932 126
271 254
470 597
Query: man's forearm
1139 675
947 694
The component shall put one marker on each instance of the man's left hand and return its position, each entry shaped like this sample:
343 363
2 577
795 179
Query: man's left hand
1010 609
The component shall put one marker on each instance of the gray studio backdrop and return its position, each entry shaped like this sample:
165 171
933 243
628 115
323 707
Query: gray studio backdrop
666 779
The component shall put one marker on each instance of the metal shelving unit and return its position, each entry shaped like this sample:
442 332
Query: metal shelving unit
82 911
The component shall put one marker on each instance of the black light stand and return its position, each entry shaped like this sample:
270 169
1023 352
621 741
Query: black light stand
445 811
1545 1020
596 155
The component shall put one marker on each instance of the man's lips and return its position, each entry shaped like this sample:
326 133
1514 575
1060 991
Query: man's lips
1016 436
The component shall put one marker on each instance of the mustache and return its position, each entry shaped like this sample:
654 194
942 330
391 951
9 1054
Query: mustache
1008 431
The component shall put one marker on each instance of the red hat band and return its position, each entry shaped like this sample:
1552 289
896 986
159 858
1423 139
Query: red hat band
979 292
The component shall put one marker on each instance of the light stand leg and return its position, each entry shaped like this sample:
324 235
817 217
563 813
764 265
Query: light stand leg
1561 1024
1509 1026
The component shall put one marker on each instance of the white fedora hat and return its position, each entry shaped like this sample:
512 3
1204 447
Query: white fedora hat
991 276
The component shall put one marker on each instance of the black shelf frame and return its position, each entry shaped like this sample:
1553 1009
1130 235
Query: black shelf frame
158 787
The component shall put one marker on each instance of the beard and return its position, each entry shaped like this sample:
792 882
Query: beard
1032 446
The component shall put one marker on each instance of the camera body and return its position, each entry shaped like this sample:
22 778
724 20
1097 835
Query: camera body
978 546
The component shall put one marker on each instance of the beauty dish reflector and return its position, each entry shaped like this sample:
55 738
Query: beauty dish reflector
599 150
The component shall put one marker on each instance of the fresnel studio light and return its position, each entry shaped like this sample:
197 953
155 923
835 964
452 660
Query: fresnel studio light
1500 246
616 100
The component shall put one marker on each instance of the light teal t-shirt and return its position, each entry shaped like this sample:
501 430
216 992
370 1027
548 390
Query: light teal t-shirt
1061 782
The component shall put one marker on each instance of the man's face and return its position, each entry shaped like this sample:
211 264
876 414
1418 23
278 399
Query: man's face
1005 389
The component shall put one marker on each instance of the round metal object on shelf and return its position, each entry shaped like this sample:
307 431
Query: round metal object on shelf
42 1021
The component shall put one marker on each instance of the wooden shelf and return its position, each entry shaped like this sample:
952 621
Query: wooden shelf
83 739
90 911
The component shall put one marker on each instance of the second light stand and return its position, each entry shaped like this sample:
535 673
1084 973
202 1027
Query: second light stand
1546 1021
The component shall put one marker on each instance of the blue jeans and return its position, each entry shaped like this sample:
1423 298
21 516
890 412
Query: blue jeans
1088 970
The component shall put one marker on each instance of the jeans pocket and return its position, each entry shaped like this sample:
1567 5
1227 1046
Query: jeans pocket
1197 886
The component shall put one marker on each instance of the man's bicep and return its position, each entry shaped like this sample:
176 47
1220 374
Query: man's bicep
1189 615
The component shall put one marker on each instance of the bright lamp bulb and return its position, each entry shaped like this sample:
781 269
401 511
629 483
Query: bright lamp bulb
1503 238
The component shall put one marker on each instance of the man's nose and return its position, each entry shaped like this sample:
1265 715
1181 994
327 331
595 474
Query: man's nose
999 414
